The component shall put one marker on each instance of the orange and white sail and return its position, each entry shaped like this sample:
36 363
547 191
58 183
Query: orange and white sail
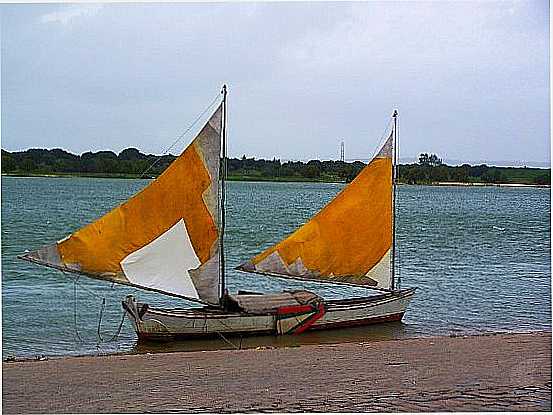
166 238
349 240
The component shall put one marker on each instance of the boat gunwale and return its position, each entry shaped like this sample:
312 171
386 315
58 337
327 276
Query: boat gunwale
330 305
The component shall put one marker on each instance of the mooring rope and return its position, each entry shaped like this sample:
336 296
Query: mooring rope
226 340
75 310
115 336
118 332
100 338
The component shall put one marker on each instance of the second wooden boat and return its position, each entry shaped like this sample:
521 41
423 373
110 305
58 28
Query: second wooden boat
268 316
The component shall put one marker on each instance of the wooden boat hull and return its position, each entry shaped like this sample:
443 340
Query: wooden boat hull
165 324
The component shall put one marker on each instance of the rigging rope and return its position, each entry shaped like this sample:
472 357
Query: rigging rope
180 137
383 137
75 309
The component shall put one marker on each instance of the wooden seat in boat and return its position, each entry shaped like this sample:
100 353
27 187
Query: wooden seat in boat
269 303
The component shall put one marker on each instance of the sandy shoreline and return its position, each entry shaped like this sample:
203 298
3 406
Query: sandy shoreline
494 372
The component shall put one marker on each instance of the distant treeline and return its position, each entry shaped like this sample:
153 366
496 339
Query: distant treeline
132 163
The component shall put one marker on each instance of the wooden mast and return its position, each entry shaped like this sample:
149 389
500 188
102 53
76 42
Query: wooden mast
223 173
394 195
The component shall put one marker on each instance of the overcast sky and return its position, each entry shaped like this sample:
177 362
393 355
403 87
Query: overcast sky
470 79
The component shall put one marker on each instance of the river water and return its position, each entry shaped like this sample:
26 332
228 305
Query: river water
481 257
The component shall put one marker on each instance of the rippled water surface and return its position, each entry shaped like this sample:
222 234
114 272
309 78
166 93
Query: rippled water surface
480 257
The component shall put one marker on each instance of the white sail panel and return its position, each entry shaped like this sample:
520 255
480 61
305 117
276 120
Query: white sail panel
164 263
382 271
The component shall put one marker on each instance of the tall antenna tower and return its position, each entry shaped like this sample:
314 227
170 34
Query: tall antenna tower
342 152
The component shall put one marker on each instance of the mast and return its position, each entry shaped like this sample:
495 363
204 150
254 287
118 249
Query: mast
394 193
223 173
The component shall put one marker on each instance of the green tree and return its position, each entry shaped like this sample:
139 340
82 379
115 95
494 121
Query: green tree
8 162
313 169
543 179
493 176
434 161
424 159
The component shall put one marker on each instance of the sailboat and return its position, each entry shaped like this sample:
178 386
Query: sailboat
168 238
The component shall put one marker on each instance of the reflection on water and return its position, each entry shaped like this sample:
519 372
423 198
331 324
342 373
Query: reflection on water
376 332
481 258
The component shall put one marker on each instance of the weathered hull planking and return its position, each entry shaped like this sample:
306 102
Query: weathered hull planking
166 324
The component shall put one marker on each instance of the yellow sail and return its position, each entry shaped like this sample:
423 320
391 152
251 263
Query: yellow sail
348 241
165 238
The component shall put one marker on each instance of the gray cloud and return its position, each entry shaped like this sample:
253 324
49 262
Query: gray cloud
471 79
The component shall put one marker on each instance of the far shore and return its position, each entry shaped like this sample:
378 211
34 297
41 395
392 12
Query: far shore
488 184
497 372
273 180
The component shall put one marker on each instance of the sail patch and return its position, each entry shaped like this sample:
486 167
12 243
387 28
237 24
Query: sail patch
382 271
164 263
